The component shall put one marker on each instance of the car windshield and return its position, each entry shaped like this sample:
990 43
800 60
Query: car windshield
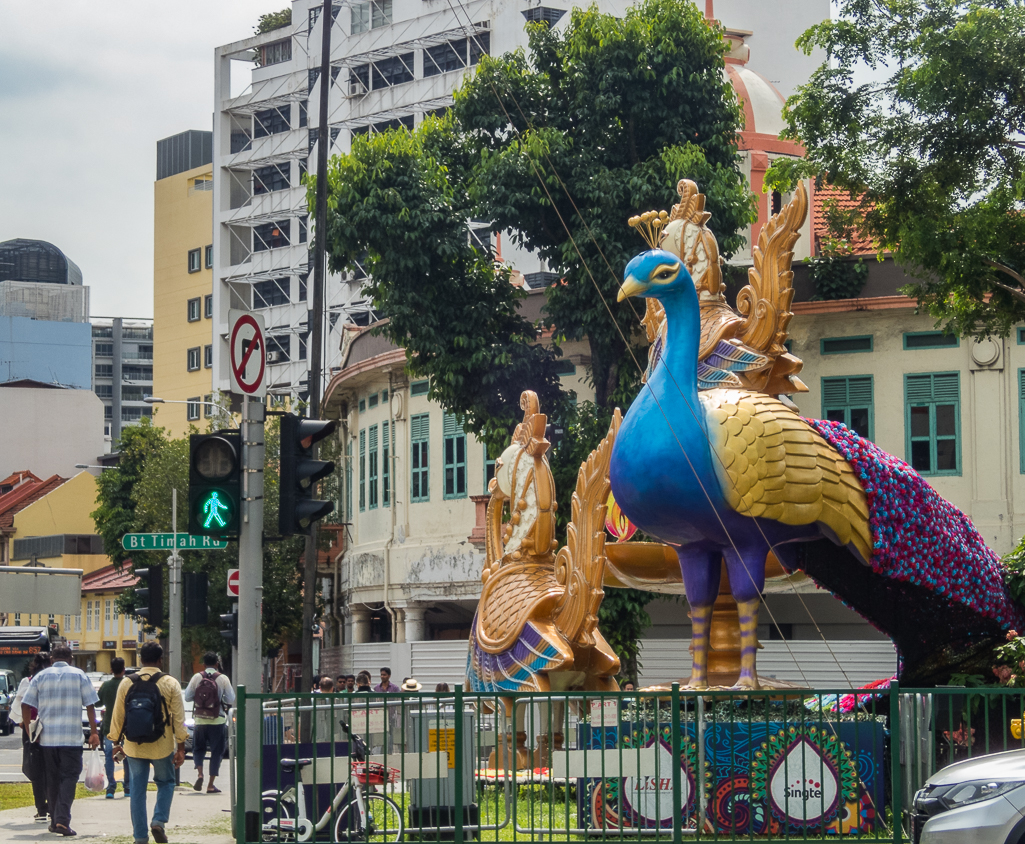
4 688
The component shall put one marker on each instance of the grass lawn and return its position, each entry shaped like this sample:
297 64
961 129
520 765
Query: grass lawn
16 795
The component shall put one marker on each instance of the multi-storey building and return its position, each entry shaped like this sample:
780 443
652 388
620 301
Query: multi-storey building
122 371
392 62
44 316
183 256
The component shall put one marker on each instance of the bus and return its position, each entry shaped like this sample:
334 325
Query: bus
17 647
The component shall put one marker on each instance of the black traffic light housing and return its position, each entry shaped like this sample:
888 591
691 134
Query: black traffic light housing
150 595
215 484
229 627
297 508
196 611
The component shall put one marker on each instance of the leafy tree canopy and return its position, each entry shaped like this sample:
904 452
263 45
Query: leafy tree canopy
931 147
559 145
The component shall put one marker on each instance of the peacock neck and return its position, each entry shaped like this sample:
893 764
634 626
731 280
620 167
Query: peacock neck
680 357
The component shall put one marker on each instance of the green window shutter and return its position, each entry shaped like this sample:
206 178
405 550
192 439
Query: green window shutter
454 454
834 392
385 466
363 469
932 423
859 390
419 429
1021 419
372 473
919 388
946 387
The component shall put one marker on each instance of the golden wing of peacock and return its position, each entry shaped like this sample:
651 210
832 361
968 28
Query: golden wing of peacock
580 563
765 301
771 464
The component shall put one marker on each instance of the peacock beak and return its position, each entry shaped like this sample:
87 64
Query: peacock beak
631 287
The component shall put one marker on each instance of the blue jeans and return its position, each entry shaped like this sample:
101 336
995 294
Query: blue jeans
163 776
108 759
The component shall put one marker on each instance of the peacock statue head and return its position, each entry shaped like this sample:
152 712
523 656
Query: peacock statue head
653 274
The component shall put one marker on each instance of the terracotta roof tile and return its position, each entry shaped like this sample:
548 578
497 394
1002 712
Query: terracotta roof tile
819 224
24 494
108 579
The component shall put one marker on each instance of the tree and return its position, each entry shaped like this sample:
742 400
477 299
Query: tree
559 147
930 147
115 512
142 487
274 20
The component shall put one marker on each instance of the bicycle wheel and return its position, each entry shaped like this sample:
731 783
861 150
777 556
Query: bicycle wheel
276 817
384 821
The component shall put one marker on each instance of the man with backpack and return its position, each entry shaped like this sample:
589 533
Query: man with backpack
212 694
148 719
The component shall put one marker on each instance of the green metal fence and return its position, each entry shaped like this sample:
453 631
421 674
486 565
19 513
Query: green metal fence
629 766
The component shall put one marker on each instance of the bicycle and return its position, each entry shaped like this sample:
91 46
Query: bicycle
370 816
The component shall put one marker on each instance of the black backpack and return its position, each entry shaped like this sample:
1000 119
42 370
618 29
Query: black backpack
146 712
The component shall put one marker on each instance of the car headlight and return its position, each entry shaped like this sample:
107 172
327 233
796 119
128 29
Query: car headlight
974 791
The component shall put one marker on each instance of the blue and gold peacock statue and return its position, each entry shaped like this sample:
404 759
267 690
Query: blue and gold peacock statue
729 474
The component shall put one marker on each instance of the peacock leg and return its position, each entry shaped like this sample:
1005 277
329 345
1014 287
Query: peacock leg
748 611
701 621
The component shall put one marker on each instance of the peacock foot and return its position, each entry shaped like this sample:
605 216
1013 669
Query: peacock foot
746 683
696 682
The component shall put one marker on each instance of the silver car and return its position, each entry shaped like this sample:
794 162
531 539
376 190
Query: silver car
978 801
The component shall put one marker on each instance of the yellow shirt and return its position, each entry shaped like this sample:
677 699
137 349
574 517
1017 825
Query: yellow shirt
164 746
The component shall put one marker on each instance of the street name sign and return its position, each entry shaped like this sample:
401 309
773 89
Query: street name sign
165 542
247 353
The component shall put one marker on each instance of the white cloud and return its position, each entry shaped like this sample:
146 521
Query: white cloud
86 91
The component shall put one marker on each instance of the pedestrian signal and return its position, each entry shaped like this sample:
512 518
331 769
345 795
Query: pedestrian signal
215 484
229 627
297 508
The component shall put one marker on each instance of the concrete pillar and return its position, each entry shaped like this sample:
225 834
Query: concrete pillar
416 627
360 619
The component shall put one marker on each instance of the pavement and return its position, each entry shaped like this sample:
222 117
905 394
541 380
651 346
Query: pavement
196 818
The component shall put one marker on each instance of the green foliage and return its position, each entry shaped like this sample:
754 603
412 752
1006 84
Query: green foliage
560 146
274 20
926 149
139 493
837 277
622 619
115 511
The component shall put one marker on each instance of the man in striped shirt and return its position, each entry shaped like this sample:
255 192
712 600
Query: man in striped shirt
59 693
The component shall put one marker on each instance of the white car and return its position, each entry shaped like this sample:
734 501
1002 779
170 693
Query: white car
978 801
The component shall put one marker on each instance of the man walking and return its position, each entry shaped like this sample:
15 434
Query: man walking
108 696
59 693
148 718
212 692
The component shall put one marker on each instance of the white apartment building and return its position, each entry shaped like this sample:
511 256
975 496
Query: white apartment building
393 61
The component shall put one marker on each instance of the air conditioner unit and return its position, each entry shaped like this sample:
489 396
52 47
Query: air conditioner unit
357 88
276 357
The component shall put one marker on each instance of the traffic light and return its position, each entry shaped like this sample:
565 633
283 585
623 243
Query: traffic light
297 508
215 484
150 595
195 598
229 627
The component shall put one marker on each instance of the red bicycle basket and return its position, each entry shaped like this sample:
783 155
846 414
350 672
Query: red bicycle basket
372 773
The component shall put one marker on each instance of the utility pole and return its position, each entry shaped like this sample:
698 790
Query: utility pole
174 582
316 323
249 665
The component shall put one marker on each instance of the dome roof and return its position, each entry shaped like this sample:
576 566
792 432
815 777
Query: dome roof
763 104
36 260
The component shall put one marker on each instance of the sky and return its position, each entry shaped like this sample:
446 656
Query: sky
86 91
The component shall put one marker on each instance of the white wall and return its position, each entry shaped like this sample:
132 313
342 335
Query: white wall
48 431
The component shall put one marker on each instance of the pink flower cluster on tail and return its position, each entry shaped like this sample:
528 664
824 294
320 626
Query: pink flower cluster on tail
919 537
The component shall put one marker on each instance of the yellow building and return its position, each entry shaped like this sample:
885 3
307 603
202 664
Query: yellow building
57 531
183 281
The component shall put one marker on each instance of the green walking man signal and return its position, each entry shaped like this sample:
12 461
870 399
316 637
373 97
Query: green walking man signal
212 509
215 484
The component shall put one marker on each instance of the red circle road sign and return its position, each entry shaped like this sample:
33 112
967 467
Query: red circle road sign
233 583
241 352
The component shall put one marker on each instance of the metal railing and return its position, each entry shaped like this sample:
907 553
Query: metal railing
629 766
